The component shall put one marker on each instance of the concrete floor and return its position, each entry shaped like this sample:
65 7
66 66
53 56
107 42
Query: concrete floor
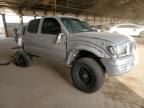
47 84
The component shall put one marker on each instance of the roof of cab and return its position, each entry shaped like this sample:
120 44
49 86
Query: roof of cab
59 16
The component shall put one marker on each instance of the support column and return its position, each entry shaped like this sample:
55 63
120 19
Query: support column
20 15
45 12
34 13
94 20
5 25
21 19
114 19
55 3
35 16
101 19
86 18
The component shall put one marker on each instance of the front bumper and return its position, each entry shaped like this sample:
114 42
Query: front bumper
119 66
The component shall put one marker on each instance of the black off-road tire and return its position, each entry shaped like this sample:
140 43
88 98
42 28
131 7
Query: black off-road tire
94 72
22 59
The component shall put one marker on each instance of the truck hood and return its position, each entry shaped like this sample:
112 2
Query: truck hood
112 37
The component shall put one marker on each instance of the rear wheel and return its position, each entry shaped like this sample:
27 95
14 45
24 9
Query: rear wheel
22 59
87 75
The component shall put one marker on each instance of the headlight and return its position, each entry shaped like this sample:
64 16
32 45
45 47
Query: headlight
112 49
122 49
117 49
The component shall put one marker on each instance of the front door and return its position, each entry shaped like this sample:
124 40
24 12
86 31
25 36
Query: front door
49 33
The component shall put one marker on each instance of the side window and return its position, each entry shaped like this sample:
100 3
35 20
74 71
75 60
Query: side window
122 26
33 26
133 26
50 26
127 26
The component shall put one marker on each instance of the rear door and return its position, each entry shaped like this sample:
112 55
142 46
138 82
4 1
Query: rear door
49 33
31 36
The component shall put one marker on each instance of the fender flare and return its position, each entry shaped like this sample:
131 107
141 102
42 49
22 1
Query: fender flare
97 51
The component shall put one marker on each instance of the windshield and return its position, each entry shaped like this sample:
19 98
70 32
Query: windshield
75 25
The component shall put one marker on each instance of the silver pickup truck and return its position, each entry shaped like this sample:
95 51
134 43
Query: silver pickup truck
90 54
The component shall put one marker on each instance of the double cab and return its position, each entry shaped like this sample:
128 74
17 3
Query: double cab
90 54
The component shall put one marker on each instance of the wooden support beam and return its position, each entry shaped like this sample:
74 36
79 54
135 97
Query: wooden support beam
5 25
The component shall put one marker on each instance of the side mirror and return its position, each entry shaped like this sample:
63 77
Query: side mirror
58 40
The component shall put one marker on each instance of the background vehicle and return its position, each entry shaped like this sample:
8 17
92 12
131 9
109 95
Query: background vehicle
102 28
94 28
91 54
127 29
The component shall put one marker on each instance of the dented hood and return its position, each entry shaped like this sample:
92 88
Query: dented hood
112 37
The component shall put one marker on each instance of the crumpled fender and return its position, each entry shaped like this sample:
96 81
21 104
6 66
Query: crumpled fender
99 52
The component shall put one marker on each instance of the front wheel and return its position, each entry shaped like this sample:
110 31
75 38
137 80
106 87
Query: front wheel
87 75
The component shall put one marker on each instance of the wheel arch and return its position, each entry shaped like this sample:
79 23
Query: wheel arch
86 51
